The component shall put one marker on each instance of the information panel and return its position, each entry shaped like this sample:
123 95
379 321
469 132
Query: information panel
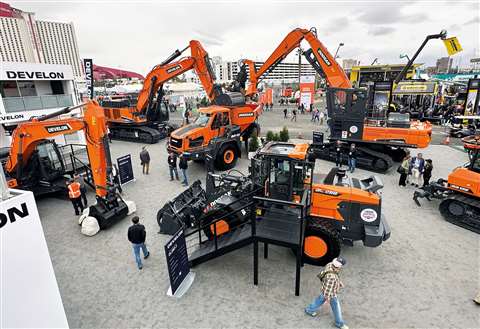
177 260
125 169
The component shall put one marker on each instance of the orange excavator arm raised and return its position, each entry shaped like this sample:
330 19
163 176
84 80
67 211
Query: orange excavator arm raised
28 135
199 61
318 55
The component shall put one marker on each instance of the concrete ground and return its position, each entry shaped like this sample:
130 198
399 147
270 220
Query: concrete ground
425 275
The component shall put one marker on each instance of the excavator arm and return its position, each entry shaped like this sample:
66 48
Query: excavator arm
318 55
29 134
199 61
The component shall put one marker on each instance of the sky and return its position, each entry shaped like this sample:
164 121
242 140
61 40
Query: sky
136 35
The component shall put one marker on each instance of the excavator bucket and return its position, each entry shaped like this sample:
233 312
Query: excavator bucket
182 211
108 215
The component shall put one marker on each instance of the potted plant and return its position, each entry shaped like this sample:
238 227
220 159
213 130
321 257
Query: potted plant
253 145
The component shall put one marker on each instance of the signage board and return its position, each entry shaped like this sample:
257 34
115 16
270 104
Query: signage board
30 297
34 71
88 66
452 45
472 105
125 169
177 260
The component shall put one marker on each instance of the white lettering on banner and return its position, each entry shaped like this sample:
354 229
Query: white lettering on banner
88 76
324 57
245 115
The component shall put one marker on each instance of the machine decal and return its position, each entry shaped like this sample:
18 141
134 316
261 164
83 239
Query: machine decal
58 128
460 188
326 192
174 68
246 115
324 57
353 129
368 215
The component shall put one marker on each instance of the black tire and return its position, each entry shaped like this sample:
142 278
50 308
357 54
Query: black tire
323 229
222 161
380 165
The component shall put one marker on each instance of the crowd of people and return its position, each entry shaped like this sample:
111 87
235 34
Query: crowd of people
416 170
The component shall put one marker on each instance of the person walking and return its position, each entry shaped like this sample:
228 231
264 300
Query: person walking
321 117
83 188
338 154
75 196
172 165
285 112
145 160
294 115
427 172
416 166
137 235
403 170
183 165
352 158
331 285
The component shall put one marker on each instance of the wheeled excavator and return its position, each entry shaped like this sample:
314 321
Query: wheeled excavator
36 163
380 136
460 192
147 120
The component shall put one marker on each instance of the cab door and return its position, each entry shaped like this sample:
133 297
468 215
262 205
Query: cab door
219 123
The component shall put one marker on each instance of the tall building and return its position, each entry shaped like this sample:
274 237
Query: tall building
227 71
23 39
444 64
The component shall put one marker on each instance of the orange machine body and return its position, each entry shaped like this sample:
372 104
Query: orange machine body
419 134
28 135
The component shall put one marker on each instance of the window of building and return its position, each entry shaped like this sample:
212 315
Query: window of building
27 88
9 89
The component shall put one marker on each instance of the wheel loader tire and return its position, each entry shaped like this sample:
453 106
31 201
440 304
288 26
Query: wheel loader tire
322 243
226 158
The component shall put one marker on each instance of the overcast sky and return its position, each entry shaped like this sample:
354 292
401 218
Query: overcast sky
136 35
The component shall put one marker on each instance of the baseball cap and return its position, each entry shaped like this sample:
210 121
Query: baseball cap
339 262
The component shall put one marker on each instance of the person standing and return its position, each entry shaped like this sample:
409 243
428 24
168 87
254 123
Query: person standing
321 117
338 154
352 158
75 196
416 166
83 188
137 235
145 160
331 284
183 165
427 172
285 112
403 170
294 115
172 165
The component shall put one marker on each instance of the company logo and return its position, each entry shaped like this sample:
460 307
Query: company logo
12 213
174 68
326 192
368 215
11 117
353 129
245 115
460 188
58 128
324 57
35 75
88 64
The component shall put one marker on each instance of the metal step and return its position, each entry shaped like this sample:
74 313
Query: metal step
279 227
226 243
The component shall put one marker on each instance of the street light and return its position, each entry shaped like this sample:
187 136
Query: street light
341 44
405 56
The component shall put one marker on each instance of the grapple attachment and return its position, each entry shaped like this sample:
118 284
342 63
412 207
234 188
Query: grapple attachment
183 210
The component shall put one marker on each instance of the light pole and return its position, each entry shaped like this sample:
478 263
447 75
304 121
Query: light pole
341 44
299 53
405 56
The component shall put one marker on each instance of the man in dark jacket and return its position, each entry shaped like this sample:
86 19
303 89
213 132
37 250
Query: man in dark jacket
352 158
183 165
338 154
137 235
145 160
172 165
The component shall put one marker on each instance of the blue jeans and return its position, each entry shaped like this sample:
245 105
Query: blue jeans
136 252
184 173
352 162
173 170
334 303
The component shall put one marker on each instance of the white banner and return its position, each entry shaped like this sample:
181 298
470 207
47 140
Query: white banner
29 292
34 71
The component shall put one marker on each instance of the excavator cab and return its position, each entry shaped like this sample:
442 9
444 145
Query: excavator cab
51 166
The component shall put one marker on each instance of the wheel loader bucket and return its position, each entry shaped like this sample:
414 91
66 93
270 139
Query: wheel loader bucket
108 217
182 211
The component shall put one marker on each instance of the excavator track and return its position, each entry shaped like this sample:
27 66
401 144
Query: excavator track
463 211
136 134
380 163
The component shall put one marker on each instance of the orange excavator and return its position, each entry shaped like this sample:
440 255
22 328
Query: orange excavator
36 163
379 139
146 121
460 193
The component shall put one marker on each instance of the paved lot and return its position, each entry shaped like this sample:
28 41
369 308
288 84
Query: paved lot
424 276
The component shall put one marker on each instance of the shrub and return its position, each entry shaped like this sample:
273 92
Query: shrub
284 136
270 136
253 142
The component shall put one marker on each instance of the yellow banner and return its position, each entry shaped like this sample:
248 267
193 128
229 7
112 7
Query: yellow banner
453 46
